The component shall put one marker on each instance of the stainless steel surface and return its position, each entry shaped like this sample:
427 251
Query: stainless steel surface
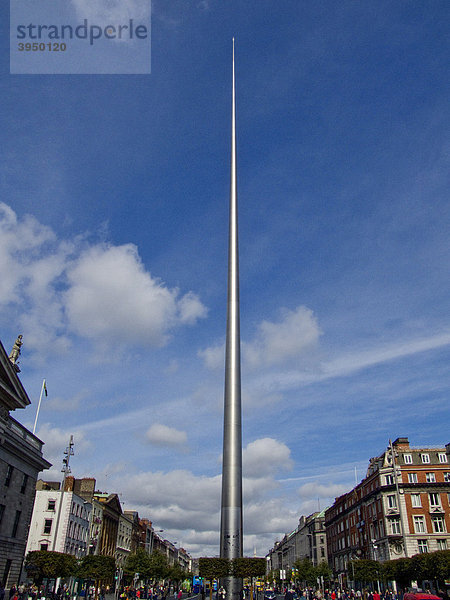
231 543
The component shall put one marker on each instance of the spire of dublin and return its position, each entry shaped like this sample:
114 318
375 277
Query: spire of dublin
231 531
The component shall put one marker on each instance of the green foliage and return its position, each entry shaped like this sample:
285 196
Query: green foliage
365 570
176 573
159 565
305 571
324 570
138 562
400 570
214 568
42 564
248 567
434 565
439 565
97 567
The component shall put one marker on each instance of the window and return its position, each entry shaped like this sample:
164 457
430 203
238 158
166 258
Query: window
431 478
415 500
412 477
9 472
2 511
24 483
442 457
389 479
7 569
16 523
438 524
51 505
447 477
423 546
44 547
395 526
48 526
442 544
419 524
425 458
408 459
435 500
392 501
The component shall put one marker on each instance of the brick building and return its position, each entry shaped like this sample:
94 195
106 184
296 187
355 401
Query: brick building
399 509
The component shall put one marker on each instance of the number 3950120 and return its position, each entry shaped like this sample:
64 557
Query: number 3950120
41 47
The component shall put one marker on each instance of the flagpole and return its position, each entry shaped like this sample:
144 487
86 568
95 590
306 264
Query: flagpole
44 387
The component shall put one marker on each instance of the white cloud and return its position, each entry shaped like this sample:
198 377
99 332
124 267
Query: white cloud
348 364
277 342
179 498
56 440
314 490
111 295
274 343
113 12
161 435
265 457
214 356
101 292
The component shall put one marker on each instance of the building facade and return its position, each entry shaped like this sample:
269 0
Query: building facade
60 523
399 509
124 539
21 460
308 540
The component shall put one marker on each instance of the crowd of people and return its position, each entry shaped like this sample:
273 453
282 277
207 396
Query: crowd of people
343 594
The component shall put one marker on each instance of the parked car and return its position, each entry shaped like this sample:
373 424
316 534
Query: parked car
417 595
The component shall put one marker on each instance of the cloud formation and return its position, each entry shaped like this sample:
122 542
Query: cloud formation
100 292
265 457
111 296
161 435
275 342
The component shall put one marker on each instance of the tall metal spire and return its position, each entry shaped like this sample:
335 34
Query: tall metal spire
231 531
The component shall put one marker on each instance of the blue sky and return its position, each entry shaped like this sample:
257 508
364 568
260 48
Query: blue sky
113 252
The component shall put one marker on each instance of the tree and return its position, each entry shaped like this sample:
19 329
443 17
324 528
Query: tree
138 562
401 570
324 570
305 571
439 566
177 573
41 564
365 570
248 567
97 568
213 568
159 565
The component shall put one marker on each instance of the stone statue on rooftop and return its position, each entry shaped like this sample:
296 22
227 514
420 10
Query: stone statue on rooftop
15 352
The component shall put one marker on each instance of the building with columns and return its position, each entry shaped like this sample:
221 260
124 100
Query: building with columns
21 460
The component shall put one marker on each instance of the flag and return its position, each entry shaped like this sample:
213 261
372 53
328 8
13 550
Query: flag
45 388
